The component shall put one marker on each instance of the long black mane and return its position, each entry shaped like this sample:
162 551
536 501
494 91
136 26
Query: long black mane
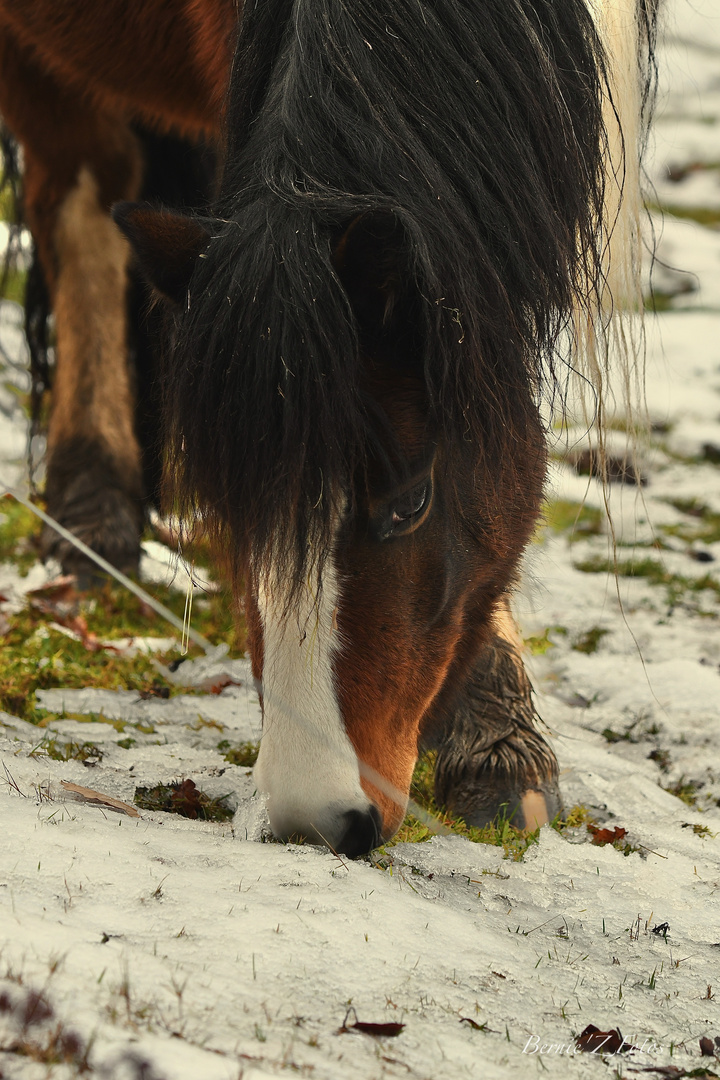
478 125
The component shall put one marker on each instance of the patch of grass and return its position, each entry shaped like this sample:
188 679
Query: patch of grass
656 301
499 833
687 790
68 751
34 656
244 754
699 830
12 284
635 731
677 586
8 210
703 215
576 519
185 799
614 736
589 641
661 758
538 644
19 533
705 527
577 816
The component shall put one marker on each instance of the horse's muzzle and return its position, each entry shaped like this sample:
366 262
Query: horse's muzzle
363 832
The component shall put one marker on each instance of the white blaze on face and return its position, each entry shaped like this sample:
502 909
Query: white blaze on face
307 765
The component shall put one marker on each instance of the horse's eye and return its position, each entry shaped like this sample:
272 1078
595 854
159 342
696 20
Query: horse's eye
410 505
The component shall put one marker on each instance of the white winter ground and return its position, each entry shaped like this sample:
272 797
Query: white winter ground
189 951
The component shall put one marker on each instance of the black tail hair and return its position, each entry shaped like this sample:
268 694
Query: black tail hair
478 125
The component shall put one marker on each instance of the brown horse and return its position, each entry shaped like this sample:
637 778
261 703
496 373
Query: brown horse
411 213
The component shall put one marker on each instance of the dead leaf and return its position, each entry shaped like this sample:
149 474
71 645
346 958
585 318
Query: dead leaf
61 590
217 684
155 690
672 1072
185 800
606 836
379 1031
88 795
707 1047
594 1041
473 1023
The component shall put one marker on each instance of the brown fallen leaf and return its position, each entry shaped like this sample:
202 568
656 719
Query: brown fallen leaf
155 690
594 1041
217 684
672 1072
606 836
474 1024
378 1030
88 795
185 800
390 1030
707 1047
60 591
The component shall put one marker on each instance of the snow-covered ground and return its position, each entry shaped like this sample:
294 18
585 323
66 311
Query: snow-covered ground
180 950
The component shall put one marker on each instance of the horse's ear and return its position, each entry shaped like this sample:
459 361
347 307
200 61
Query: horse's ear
370 259
167 245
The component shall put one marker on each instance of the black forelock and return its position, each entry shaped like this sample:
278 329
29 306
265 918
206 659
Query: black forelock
478 124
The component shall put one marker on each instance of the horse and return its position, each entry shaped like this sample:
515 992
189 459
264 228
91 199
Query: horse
406 226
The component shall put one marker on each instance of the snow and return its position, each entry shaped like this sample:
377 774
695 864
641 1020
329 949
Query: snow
179 949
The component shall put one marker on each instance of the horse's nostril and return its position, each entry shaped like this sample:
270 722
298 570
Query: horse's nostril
363 832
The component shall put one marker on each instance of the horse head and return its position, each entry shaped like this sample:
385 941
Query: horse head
364 622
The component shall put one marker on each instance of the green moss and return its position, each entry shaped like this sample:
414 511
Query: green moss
687 790
244 754
705 527
678 588
19 532
661 758
576 519
499 833
59 750
12 285
589 641
35 656
703 215
7 202
656 301
699 830
577 816
538 644
614 736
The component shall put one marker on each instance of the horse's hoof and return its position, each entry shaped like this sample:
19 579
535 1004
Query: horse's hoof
106 519
524 809
515 778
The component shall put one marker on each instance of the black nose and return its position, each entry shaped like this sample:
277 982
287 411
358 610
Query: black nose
363 832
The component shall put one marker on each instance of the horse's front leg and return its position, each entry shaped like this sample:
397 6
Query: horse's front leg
77 163
491 758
